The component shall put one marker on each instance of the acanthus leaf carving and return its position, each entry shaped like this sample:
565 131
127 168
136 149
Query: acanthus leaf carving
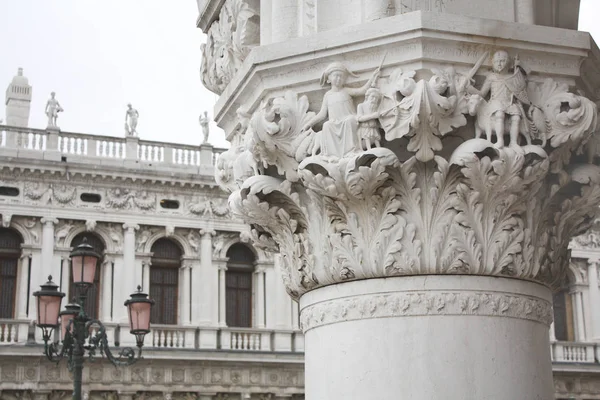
479 207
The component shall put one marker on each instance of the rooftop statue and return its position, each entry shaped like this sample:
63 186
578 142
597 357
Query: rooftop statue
52 109
204 121
131 120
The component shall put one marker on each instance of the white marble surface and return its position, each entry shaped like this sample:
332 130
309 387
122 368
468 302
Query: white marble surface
443 353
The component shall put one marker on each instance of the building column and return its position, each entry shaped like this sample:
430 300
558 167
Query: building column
21 310
594 298
48 250
206 276
222 310
579 316
260 297
129 284
146 264
184 293
106 287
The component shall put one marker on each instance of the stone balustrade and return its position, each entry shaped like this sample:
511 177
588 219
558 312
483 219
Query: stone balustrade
13 331
177 337
54 145
574 352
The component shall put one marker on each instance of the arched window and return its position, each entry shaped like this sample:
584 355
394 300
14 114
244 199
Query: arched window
164 281
10 251
238 286
93 294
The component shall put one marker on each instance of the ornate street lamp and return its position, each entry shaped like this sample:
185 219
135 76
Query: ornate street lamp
75 323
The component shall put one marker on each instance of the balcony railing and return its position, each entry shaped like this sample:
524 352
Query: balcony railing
178 337
31 143
13 331
574 352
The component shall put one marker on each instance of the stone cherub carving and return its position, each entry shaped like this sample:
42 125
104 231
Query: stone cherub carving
131 120
505 111
53 107
204 121
338 136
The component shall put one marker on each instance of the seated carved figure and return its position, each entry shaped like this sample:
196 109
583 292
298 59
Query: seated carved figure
339 134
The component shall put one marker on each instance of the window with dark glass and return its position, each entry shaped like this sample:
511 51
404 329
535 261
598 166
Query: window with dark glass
238 286
10 250
9 191
563 316
164 281
92 300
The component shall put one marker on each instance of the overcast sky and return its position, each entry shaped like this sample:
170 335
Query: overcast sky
98 55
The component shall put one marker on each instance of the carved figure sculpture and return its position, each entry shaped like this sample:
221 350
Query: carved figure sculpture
205 129
131 120
508 97
52 109
368 114
339 134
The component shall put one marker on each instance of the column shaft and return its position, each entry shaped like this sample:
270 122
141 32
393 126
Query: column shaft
48 249
24 261
106 287
222 309
184 290
579 319
205 277
260 298
129 283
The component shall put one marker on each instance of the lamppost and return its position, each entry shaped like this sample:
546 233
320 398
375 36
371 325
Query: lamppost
76 324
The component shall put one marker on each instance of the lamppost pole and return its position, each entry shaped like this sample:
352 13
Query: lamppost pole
76 324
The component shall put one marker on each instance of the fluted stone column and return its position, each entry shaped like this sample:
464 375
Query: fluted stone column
594 295
421 245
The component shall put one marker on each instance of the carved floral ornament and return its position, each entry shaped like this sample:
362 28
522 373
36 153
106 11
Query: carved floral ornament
229 41
488 181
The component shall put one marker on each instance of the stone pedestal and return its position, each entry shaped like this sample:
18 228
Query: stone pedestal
435 337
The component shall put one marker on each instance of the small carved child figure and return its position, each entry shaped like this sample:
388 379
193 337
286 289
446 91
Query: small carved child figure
368 124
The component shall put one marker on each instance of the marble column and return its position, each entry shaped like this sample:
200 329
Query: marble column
453 246
260 297
146 265
185 293
524 11
579 316
222 266
205 280
594 296
129 284
48 249
106 286
21 312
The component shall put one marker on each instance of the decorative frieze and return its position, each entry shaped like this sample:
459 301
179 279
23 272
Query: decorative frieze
426 304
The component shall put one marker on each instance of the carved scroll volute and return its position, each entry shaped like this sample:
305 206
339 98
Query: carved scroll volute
486 209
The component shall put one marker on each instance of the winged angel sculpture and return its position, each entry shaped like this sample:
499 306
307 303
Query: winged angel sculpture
478 207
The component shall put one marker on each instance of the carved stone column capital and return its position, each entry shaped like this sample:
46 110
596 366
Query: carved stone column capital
207 232
130 228
49 221
482 207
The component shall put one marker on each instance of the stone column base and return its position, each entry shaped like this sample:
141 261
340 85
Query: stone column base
428 337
